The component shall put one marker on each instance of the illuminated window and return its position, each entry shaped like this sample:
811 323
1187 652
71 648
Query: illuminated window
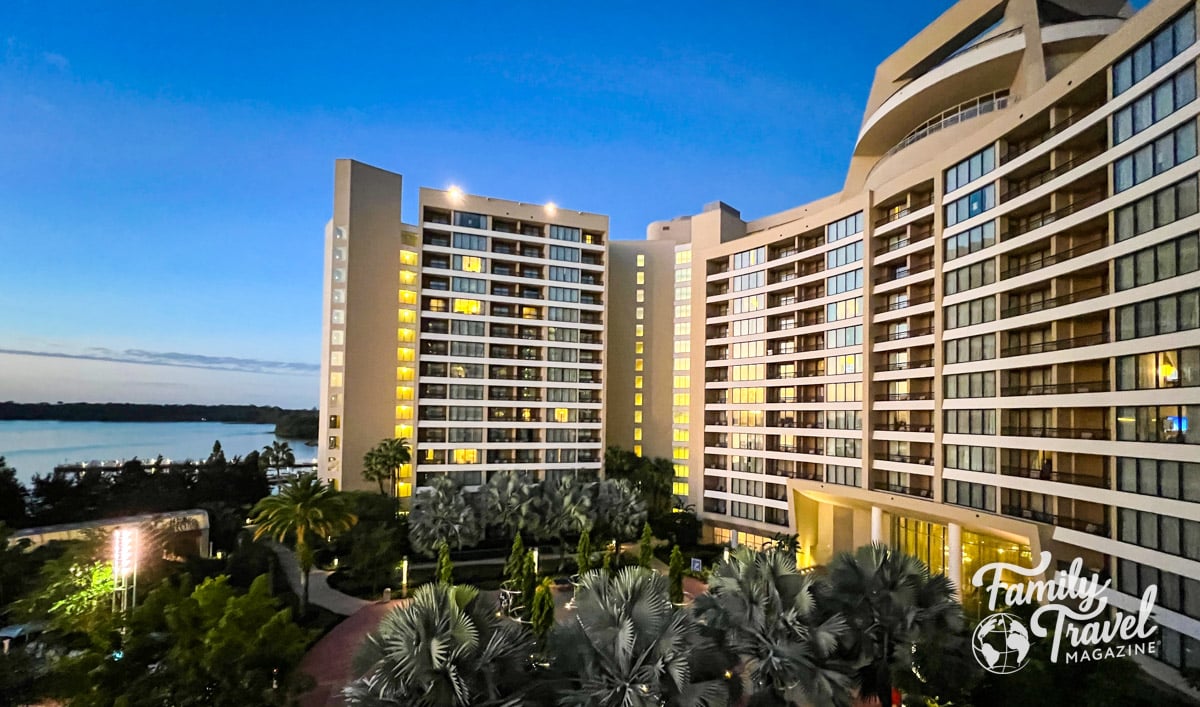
639 330
407 257
683 257
682 399
338 316
683 293
639 347
683 346
639 313
404 373
403 412
680 453
679 488
638 364
403 490
683 311
637 448
466 456
684 364
682 417
681 470
337 337
641 278
637 417
407 297
337 358
407 316
641 260
406 354
333 442
681 435
335 421
406 335
637 399
637 382
470 263
335 379
640 295
683 329
637 434
467 306
403 432
682 382
562 415
404 392
407 277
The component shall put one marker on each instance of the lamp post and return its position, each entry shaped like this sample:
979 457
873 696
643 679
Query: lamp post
125 564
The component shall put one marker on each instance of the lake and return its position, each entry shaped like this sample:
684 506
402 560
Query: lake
36 446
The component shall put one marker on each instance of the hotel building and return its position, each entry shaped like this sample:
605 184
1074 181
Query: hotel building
987 344
478 335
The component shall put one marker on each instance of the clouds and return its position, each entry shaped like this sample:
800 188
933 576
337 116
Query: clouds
180 360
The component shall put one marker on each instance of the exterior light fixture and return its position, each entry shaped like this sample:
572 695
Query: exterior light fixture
455 192
551 208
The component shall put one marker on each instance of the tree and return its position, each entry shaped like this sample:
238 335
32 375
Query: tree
676 575
277 455
442 515
652 479
217 455
528 580
620 514
763 613
607 562
516 558
646 547
542 615
14 498
510 504
583 552
304 510
445 568
890 604
629 646
445 649
383 461
567 506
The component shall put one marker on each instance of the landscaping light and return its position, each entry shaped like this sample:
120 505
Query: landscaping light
125 551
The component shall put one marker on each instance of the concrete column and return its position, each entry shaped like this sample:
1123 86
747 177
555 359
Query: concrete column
954 561
876 524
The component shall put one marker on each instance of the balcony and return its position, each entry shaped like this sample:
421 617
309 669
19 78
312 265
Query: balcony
899 397
1056 432
903 427
1047 260
918 203
904 458
898 488
1058 521
1099 482
1051 303
906 334
1016 150
1022 227
1036 180
1100 386
904 303
1055 345
901 273
907 365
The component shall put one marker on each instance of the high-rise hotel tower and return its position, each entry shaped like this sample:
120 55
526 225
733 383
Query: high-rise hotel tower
477 335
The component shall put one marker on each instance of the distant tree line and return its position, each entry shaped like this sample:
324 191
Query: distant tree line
139 412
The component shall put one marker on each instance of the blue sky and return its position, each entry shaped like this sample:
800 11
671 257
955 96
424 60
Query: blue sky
166 168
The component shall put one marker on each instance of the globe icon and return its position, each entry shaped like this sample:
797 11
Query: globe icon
1001 644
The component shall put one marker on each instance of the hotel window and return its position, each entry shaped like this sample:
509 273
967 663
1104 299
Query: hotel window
971 385
565 253
845 255
637 450
683 275
971 422
1154 52
750 281
641 278
971 205
973 348
640 295
637 399
959 456
639 347
1165 315
638 364
683 257
641 260
1174 536
848 336
335 422
339 275
469 263
639 330
1165 206
637 382
639 313
562 294
333 442
844 228
971 169
467 241
565 233
338 295
559 273
683 346
1151 371
685 364
971 241
1160 478
459 413
1175 592
466 348
467 306
846 309
1165 423
1166 98
637 434
843 475
637 417
337 337
844 283
1155 158
970 277
750 258
969 313
335 379
466 456
469 284
683 293
1166 260
964 493
337 358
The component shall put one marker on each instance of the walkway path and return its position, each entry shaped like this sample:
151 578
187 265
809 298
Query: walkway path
329 661
319 592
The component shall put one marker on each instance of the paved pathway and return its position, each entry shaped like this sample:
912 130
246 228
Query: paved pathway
319 592
329 661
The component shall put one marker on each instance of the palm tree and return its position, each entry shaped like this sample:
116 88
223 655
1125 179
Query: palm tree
620 513
304 509
382 462
510 503
890 602
762 612
277 455
447 648
442 515
566 507
628 646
